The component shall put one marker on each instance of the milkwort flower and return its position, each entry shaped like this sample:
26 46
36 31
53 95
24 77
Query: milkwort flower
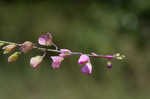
87 69
56 61
84 60
65 53
45 39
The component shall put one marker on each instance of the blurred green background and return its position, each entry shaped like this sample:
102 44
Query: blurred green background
102 26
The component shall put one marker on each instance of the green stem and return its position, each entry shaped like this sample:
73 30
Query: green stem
55 50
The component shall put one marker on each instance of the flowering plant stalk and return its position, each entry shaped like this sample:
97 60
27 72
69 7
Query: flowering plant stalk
46 40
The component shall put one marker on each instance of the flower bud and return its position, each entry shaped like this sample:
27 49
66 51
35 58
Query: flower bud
1 44
9 48
65 53
36 61
87 69
94 54
83 59
119 56
26 47
13 57
56 61
109 65
45 39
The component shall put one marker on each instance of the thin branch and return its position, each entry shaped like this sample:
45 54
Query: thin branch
56 50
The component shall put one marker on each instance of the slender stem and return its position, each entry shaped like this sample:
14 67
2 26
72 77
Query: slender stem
5 42
55 46
56 50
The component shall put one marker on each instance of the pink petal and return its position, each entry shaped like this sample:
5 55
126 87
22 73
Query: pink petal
83 59
45 39
87 69
65 53
36 61
56 61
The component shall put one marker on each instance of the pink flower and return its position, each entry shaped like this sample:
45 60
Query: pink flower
26 47
36 61
83 59
87 69
45 39
65 53
56 61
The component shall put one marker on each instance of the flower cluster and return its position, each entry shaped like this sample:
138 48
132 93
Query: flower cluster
46 40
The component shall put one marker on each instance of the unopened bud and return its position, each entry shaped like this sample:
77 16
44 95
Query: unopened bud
109 65
1 44
26 47
119 56
13 57
36 61
9 48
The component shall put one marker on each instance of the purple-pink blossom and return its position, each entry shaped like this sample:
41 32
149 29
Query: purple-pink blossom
87 69
45 39
83 59
46 45
65 53
56 61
